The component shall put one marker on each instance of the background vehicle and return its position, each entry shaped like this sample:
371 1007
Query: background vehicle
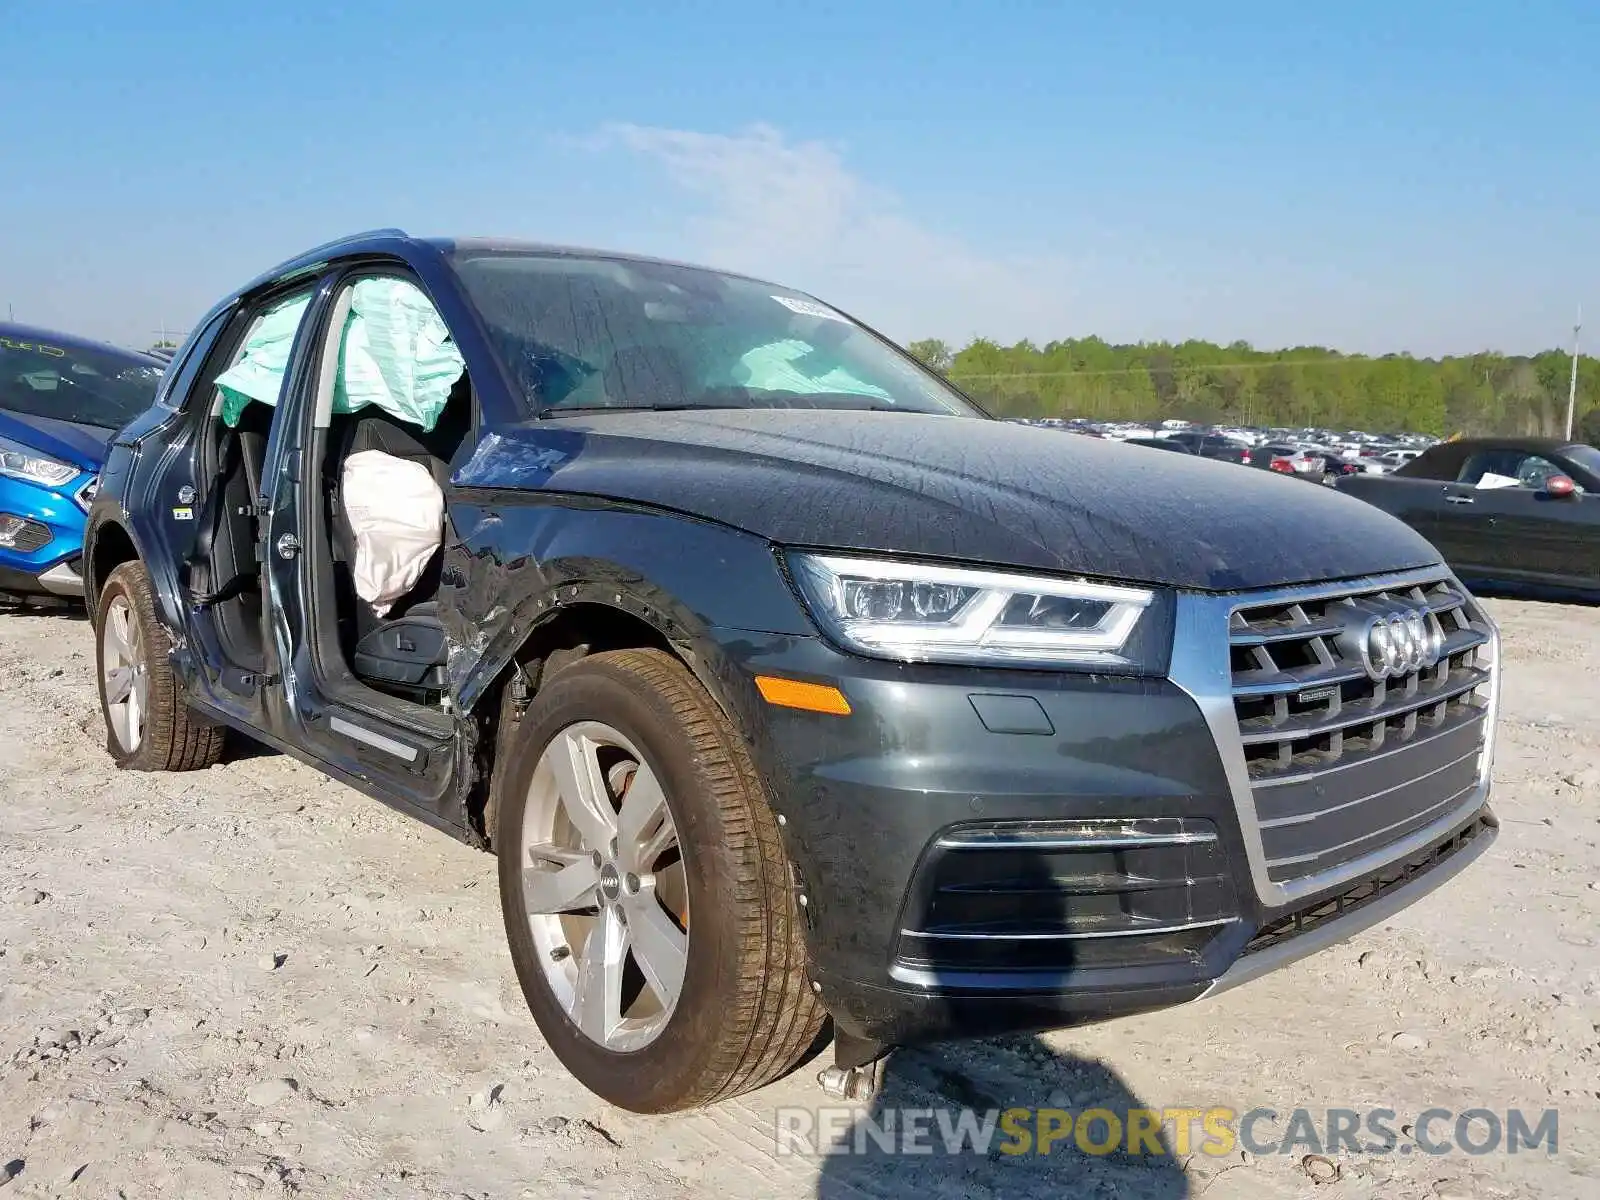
1213 445
1501 510
1287 459
1338 468
60 399
786 686
1395 459
1158 443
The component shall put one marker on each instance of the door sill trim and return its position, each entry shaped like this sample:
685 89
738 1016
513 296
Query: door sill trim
371 737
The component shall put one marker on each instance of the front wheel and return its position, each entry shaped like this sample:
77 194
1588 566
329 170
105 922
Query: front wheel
149 727
647 897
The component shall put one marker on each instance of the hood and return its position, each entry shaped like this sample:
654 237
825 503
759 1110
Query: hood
83 446
959 488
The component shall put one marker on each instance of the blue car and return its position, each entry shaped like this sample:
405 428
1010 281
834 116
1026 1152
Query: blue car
61 399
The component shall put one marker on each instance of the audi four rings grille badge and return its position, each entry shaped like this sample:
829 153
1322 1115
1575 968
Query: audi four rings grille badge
1399 642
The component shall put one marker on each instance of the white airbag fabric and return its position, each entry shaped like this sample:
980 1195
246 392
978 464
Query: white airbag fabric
396 512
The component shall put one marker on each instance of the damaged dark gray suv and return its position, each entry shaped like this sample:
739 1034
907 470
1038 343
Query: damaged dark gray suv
786 685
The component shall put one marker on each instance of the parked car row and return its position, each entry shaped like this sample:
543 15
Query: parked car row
1290 452
790 691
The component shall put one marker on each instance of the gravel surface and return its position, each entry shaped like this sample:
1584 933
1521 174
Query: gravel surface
252 980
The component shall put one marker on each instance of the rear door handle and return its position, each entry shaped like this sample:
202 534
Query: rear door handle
1459 500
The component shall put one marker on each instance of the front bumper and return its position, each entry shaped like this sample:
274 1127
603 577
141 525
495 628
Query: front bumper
876 806
46 559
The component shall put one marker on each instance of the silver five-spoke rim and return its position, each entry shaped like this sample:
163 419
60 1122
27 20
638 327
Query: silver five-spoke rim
604 888
127 683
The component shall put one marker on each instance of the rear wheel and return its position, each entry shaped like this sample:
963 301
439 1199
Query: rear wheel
149 727
646 894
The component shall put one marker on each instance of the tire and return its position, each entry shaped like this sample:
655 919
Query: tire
744 1013
170 736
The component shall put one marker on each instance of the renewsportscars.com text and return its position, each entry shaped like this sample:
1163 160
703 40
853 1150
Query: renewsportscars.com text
1160 1132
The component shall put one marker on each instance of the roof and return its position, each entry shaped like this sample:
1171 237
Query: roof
1532 445
393 241
72 341
491 245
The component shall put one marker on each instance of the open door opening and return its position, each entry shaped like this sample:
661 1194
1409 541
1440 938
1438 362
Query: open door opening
394 409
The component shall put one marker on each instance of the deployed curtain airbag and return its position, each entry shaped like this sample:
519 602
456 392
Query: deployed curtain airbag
395 353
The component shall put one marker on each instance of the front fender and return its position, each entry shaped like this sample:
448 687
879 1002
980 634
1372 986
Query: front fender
519 558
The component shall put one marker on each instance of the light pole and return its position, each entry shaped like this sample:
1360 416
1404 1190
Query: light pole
1572 385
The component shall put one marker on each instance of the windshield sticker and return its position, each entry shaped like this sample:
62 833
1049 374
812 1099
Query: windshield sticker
37 347
810 308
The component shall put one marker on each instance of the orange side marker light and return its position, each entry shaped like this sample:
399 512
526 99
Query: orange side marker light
813 697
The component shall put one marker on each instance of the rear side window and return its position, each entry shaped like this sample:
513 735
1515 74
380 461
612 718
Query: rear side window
86 386
1485 462
1517 466
262 359
180 375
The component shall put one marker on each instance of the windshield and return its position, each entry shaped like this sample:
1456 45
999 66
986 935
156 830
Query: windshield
580 333
86 386
1586 457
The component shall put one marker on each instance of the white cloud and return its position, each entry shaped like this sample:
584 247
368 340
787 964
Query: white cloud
793 211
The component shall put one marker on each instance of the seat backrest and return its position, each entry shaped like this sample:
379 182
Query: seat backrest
372 428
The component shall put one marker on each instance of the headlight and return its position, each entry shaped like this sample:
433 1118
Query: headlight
22 463
916 612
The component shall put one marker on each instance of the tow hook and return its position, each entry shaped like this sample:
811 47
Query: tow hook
857 1071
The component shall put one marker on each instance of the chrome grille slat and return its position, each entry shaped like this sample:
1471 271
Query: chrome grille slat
1327 850
1266 636
1406 703
1305 818
1300 680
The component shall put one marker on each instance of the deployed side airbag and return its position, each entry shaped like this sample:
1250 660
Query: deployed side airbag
395 352
396 516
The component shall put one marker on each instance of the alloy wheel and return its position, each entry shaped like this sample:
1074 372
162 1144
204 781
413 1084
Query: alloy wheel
127 681
603 886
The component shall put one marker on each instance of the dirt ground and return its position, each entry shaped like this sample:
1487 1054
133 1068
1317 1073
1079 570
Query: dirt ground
253 980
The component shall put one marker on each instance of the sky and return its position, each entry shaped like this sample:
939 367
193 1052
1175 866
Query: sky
1411 176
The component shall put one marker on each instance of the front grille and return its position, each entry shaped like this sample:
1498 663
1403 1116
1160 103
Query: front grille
1304 920
1341 764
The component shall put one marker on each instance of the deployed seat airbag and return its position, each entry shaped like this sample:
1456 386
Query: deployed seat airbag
395 512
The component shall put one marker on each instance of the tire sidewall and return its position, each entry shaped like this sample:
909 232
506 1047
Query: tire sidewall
659 1076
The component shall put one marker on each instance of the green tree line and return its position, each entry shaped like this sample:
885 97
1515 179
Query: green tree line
1304 386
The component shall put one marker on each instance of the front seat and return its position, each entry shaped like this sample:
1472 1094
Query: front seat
405 649
406 652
